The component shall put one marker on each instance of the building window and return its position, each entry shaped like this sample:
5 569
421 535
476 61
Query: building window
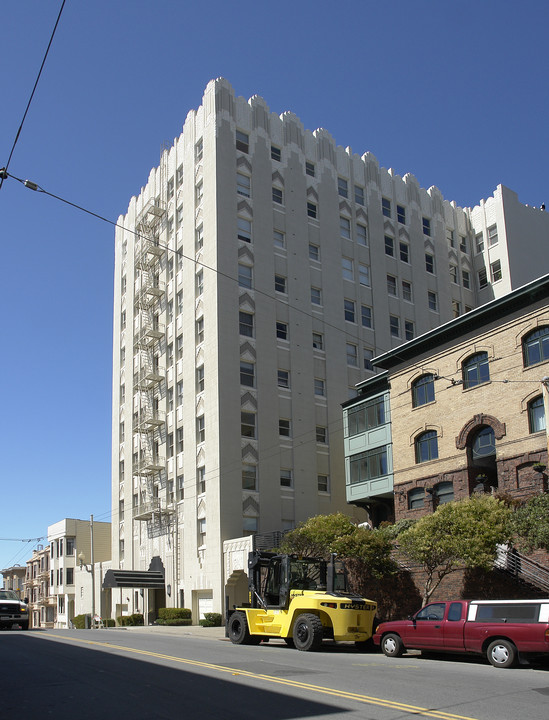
386 207
492 235
245 276
366 416
475 370
535 347
246 323
309 168
249 477
401 214
280 284
392 285
247 374
278 239
347 268
247 424
283 427
169 445
345 227
359 195
200 429
462 243
201 530
281 330
456 308
349 310
278 196
366 316
243 184
320 387
323 483
342 187
495 270
314 252
394 325
416 499
484 444
352 355
283 379
368 357
179 439
312 210
179 388
444 492
423 390
179 175
321 435
432 301
361 234
450 237
199 282
242 141
318 341
482 278
466 279
404 252
426 446
364 274
316 296
200 331
199 150
368 465
454 274
407 291
430 263
389 246
170 188
286 479
409 330
479 242
276 153
536 415
200 379
199 192
179 298
427 226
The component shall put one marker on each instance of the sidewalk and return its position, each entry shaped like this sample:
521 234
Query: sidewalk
210 633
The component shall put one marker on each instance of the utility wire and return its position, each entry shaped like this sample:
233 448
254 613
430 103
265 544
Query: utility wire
2 175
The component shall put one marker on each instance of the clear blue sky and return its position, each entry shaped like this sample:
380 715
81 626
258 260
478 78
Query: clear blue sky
453 92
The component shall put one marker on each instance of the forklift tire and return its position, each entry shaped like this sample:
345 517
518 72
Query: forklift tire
307 632
238 630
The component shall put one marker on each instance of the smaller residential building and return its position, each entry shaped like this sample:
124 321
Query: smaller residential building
42 605
457 410
13 578
71 556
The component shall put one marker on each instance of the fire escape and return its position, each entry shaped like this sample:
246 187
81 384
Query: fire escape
149 373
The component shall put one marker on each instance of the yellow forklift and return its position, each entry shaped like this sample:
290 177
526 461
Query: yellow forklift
301 600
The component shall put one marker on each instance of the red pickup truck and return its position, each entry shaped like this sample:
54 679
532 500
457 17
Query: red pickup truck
499 629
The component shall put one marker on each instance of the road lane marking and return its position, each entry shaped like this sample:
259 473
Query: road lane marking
344 694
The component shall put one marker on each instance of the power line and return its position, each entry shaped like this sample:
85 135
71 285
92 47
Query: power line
2 175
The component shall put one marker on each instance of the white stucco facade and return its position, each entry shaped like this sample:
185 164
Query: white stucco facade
257 272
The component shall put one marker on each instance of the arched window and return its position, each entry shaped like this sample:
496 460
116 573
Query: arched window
475 370
535 347
416 498
444 492
426 446
484 444
423 390
536 415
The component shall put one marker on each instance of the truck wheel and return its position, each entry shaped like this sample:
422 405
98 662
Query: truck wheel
392 645
307 632
238 630
502 653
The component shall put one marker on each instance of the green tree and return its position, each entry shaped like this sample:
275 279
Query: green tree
316 537
531 523
458 534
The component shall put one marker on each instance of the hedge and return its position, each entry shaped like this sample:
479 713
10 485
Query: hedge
174 616
211 620
127 620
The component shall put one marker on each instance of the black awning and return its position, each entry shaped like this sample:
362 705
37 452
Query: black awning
148 579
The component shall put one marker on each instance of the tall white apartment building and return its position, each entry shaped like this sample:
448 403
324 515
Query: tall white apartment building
257 273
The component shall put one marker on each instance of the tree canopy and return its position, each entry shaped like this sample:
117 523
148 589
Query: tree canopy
531 523
461 533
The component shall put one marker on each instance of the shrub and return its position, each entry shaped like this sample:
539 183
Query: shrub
130 620
109 622
211 620
174 616
79 621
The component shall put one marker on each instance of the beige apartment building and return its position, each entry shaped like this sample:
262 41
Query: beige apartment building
459 410
257 273
42 605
